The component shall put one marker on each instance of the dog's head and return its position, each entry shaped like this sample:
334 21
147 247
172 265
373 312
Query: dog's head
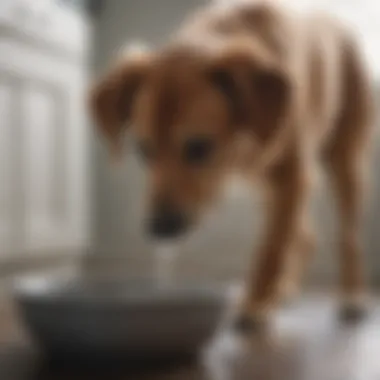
186 106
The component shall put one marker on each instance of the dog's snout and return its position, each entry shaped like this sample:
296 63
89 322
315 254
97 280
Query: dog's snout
167 221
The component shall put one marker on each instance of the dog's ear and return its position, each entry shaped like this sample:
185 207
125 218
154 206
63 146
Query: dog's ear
257 91
111 98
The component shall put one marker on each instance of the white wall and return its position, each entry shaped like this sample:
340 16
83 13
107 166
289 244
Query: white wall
224 247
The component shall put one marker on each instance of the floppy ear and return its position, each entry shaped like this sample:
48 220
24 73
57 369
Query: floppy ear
111 98
258 92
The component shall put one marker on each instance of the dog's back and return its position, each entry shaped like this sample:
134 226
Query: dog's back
317 49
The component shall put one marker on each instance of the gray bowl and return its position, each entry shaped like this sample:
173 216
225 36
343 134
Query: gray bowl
131 318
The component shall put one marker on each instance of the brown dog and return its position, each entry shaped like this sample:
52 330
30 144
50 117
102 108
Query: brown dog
292 88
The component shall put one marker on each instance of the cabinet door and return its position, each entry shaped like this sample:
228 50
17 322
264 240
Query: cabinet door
43 132
42 166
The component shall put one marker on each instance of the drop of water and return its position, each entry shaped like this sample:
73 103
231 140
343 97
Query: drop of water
165 255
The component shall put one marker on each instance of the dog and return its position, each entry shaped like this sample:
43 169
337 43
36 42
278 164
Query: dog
261 90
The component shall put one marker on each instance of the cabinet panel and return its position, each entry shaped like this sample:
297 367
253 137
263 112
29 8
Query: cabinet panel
5 140
39 132
41 170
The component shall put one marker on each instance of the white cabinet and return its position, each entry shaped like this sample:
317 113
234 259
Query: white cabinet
43 135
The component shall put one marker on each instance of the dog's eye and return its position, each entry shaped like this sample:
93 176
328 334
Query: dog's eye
146 151
197 150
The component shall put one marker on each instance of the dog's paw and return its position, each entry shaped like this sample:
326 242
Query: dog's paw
289 298
249 324
353 308
350 313
244 324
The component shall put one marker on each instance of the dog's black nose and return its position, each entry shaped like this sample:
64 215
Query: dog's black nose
167 222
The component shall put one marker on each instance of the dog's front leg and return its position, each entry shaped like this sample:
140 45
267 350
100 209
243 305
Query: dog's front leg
288 188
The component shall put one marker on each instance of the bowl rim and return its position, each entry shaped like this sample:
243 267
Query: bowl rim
51 288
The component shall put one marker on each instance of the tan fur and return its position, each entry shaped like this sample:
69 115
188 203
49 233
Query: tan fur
300 97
